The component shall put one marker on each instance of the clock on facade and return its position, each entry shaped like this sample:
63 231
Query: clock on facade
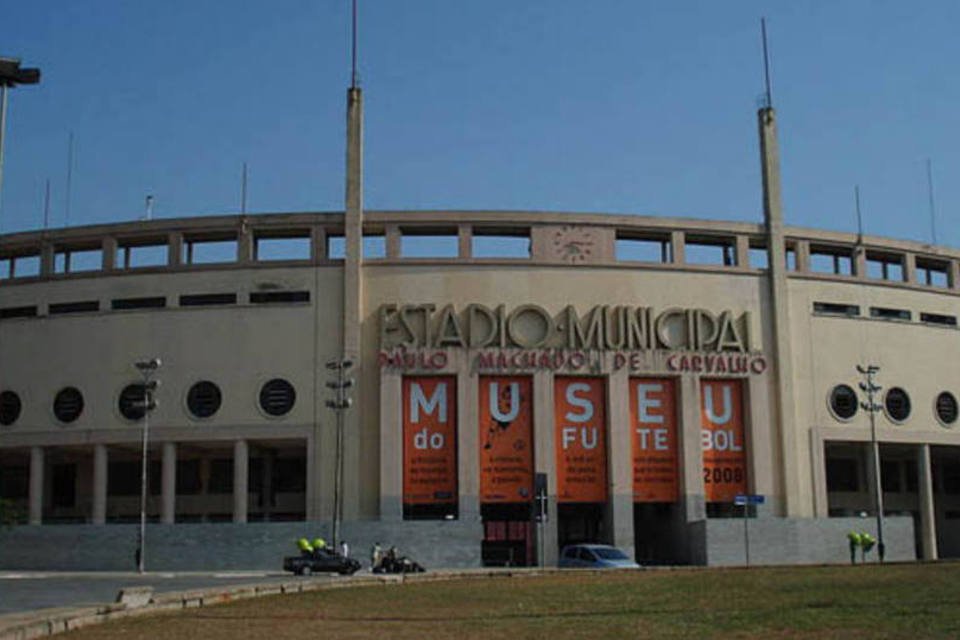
573 244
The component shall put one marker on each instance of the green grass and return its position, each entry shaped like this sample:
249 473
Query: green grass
893 601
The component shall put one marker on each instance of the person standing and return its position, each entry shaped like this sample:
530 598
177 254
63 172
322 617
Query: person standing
376 556
344 549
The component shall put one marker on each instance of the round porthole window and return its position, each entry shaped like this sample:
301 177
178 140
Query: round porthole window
68 404
10 407
843 401
946 408
203 399
897 404
130 402
277 397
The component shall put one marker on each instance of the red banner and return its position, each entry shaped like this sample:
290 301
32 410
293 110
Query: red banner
506 439
429 440
580 439
653 422
722 440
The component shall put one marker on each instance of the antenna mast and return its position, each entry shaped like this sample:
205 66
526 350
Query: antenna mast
67 194
766 64
243 190
933 209
354 78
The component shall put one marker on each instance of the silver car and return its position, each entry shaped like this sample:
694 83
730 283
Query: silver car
595 556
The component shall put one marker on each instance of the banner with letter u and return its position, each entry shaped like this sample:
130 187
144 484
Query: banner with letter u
722 440
429 440
506 439
580 439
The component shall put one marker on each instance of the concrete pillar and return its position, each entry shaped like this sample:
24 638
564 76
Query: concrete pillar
860 261
743 251
266 482
761 448
620 460
802 252
47 266
174 249
318 243
246 244
928 520
953 274
100 460
468 441
108 255
241 480
545 459
36 485
391 446
465 240
168 512
691 454
818 463
677 247
784 414
392 240
909 264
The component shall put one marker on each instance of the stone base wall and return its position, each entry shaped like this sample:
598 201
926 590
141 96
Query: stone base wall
204 547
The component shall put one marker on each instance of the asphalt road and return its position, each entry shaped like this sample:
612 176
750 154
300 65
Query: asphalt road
27 591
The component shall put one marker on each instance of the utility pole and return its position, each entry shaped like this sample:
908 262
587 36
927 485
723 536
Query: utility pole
871 407
146 368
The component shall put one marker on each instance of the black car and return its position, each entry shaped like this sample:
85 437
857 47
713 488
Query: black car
322 561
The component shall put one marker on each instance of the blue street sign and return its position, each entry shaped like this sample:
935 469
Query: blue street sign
745 499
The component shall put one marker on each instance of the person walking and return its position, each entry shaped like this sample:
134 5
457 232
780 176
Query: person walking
344 549
376 556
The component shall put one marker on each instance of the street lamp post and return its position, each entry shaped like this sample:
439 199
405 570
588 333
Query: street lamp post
11 74
871 407
339 404
146 368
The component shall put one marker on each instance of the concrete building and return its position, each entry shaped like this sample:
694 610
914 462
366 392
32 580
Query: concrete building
628 375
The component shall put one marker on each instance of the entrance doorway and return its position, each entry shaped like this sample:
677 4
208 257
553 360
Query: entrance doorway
582 522
509 535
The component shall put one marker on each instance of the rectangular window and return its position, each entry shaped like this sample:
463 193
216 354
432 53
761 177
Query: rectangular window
221 476
336 247
86 306
76 261
140 256
884 266
14 482
932 273
885 313
835 260
374 246
64 485
842 474
836 309
26 266
156 302
290 475
759 258
488 244
279 297
638 248
210 251
188 477
18 312
890 476
936 318
709 251
429 246
207 299
287 248
123 479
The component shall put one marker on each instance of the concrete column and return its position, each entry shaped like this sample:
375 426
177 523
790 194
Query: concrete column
241 480
266 482
691 454
174 249
391 446
860 261
468 441
909 264
36 485
545 458
784 422
953 274
620 460
168 511
246 244
762 452
802 249
100 460
677 247
743 251
393 241
928 520
818 463
465 240
47 266
318 243
108 255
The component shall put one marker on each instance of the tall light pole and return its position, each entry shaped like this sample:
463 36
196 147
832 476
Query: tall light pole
871 407
10 76
146 368
339 404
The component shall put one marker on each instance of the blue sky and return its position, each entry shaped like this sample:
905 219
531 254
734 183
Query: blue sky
609 106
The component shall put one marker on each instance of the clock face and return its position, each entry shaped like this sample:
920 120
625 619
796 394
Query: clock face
573 244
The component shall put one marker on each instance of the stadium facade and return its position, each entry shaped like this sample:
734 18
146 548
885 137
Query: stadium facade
629 376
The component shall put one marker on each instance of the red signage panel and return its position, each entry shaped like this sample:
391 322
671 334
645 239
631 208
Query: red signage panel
653 422
580 439
506 439
722 440
429 440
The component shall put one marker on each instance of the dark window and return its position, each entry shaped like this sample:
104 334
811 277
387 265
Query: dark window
14 482
277 397
937 318
18 312
68 404
290 475
842 474
843 401
268 297
207 299
203 399
123 478
951 477
131 400
9 407
188 477
836 309
946 407
221 476
75 307
898 404
889 314
157 302
911 476
64 485
890 476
